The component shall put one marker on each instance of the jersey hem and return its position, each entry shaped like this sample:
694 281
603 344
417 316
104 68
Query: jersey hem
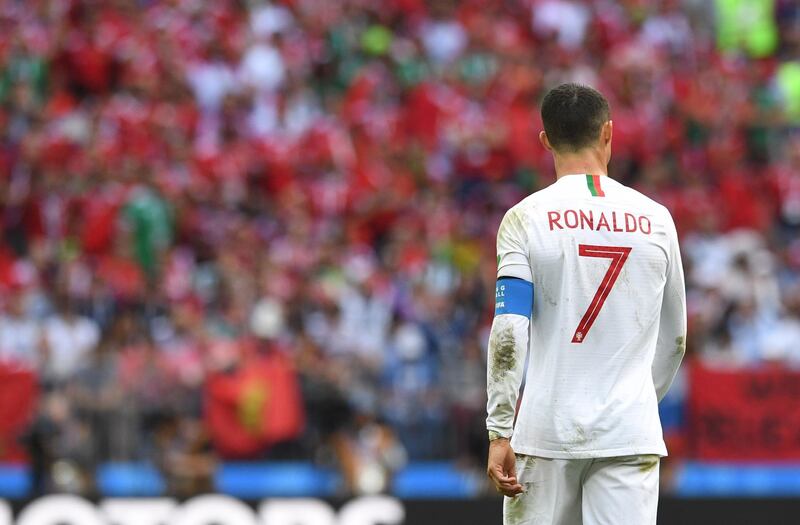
590 454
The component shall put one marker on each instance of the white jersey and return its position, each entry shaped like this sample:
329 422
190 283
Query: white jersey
608 324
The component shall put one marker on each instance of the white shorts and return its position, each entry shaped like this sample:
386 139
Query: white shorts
600 491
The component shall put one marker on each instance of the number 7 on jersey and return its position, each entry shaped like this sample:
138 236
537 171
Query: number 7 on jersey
618 256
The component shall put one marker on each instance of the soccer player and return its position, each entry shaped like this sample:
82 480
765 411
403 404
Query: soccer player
589 278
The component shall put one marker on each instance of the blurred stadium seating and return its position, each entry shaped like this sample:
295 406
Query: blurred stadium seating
248 246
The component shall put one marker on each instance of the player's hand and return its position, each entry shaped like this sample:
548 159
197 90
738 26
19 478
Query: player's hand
502 470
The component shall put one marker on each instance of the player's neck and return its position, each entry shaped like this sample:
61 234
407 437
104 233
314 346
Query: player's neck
583 162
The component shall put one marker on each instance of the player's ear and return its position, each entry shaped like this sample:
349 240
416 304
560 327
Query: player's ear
545 142
608 131
605 138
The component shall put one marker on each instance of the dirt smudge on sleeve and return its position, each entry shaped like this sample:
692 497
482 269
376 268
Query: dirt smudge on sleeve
502 352
680 344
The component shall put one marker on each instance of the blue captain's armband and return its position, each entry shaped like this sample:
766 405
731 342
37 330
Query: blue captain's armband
513 296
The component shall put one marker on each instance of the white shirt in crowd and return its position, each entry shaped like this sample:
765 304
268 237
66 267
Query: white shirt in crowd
19 341
69 343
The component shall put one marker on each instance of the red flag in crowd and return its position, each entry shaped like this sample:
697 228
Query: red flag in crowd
18 394
255 406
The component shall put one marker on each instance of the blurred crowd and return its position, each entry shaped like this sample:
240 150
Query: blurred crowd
189 188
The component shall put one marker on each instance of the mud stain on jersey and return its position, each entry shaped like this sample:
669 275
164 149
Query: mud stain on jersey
626 278
502 352
648 463
525 461
517 508
549 298
514 510
580 435
680 344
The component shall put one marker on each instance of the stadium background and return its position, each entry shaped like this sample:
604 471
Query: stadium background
248 247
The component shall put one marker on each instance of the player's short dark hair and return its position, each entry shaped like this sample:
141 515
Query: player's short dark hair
573 116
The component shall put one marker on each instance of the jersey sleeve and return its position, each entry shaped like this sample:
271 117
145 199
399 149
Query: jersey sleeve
508 339
671 344
512 248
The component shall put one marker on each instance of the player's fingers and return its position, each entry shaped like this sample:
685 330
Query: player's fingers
507 486
507 483
512 471
494 471
510 491
497 474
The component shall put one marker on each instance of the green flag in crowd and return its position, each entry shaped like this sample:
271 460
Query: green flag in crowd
747 25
